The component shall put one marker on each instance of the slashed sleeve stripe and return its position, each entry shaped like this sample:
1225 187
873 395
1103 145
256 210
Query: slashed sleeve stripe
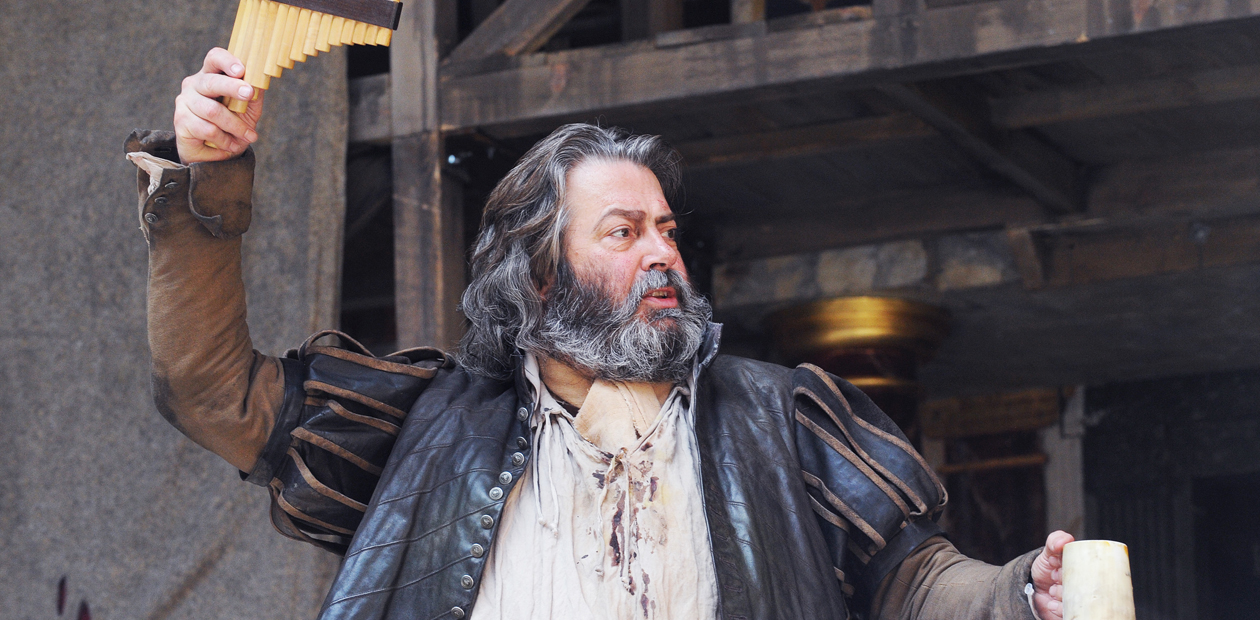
303 434
863 464
418 372
846 511
885 475
301 516
858 552
376 423
283 522
890 438
367 401
845 587
322 488
826 513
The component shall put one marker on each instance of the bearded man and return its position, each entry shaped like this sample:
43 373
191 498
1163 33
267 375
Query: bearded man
587 454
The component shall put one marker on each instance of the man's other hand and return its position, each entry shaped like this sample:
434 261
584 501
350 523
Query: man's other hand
205 130
1047 577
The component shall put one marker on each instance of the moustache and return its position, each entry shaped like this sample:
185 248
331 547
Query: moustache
654 279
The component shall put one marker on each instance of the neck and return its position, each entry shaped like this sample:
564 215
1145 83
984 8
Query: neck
572 385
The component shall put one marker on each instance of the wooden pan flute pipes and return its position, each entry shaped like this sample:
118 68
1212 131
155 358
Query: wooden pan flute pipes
268 37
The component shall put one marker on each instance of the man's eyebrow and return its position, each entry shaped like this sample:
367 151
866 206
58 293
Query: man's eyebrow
636 215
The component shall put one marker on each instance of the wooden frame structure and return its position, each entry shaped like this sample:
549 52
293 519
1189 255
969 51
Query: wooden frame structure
1001 94
1075 180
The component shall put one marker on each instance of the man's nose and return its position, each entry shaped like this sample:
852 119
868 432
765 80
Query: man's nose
660 254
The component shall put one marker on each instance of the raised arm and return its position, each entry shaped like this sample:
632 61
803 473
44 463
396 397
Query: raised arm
194 205
316 427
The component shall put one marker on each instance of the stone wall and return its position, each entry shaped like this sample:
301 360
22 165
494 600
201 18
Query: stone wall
94 487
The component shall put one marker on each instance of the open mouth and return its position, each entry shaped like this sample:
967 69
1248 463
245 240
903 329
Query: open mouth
660 293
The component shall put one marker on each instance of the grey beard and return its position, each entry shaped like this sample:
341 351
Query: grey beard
584 328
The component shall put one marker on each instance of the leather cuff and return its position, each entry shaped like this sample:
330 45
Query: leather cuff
287 419
886 561
218 194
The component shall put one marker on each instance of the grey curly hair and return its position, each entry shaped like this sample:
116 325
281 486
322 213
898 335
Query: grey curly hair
521 243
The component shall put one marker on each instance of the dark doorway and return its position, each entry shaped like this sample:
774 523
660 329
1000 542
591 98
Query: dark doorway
1227 546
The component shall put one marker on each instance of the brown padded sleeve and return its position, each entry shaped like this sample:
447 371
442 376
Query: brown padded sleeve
208 381
936 582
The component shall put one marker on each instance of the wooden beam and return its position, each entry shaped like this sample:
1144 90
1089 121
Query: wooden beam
428 238
870 219
1089 252
1199 186
941 42
413 79
1107 100
428 245
1208 184
801 141
516 27
1006 462
1007 412
1043 180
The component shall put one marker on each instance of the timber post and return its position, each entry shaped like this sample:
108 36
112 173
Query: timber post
428 235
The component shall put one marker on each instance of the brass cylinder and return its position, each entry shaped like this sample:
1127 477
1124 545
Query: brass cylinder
875 343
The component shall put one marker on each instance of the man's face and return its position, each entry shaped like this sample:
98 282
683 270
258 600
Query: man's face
620 226
620 307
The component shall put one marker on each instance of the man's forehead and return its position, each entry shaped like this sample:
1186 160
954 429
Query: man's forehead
603 189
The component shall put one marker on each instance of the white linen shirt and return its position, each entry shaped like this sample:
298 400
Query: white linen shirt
592 535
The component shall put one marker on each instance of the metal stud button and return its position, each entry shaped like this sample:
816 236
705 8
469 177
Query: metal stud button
457 612
478 551
522 443
466 581
172 185
496 493
151 218
522 414
487 521
161 200
518 459
505 478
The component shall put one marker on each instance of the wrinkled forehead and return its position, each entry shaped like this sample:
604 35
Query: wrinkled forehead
599 188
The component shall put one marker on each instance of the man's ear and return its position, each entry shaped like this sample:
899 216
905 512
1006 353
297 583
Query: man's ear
544 286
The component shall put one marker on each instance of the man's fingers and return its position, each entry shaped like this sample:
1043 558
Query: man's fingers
218 114
1047 608
219 60
1056 541
213 85
206 131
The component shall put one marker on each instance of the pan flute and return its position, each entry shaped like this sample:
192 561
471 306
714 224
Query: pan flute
268 37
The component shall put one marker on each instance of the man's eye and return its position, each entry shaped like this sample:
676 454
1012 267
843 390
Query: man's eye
672 234
621 233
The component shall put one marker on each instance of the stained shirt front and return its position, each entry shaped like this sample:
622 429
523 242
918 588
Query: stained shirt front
609 525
